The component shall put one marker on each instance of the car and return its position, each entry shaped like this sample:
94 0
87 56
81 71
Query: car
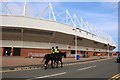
118 58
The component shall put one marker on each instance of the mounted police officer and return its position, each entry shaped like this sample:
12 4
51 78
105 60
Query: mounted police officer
56 51
52 50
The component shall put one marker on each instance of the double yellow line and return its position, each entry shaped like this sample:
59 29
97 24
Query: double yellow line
116 77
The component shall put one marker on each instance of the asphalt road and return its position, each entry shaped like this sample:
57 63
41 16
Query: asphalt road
92 69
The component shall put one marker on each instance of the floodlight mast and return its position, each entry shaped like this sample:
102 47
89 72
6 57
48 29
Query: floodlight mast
25 7
74 19
51 11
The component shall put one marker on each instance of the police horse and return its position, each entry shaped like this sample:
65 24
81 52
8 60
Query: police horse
54 60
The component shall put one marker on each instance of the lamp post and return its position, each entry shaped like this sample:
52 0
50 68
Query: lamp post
75 29
108 50
12 49
25 7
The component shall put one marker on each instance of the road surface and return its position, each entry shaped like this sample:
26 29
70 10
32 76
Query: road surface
103 68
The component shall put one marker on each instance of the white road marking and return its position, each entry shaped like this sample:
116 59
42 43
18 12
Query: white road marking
94 66
87 68
48 76
63 65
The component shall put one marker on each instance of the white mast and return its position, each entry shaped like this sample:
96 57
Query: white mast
25 4
50 8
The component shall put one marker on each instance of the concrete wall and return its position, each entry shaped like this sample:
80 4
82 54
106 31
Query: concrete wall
1 51
25 36
26 22
41 52
26 51
41 45
31 38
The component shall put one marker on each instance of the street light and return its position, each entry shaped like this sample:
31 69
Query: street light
108 50
75 29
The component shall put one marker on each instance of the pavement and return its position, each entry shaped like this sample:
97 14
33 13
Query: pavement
14 61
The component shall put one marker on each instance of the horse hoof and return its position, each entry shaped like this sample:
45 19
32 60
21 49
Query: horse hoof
52 67
45 68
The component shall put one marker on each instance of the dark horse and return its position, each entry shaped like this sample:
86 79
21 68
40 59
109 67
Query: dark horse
54 60
58 57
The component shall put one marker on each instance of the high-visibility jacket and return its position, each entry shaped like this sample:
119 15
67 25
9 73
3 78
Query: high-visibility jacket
53 51
56 50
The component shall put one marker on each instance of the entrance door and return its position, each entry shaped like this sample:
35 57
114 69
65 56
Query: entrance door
72 51
7 51
16 51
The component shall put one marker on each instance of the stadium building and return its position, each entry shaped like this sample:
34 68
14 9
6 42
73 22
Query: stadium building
23 35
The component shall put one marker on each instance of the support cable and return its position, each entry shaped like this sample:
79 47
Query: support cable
6 7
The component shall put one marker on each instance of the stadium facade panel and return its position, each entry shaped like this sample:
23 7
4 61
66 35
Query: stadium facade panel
22 36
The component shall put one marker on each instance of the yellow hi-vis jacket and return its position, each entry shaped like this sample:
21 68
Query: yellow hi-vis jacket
53 51
56 51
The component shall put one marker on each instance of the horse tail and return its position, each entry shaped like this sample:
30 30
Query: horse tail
43 59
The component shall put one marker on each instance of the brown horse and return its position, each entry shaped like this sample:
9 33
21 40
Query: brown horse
46 59
54 60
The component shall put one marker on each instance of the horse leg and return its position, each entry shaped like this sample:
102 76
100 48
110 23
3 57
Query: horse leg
46 65
52 64
61 63
57 63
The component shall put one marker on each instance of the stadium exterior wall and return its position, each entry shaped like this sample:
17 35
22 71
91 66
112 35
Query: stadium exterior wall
41 52
1 51
25 52
41 24
42 45
21 41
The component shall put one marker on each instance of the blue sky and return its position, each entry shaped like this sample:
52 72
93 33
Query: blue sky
104 15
